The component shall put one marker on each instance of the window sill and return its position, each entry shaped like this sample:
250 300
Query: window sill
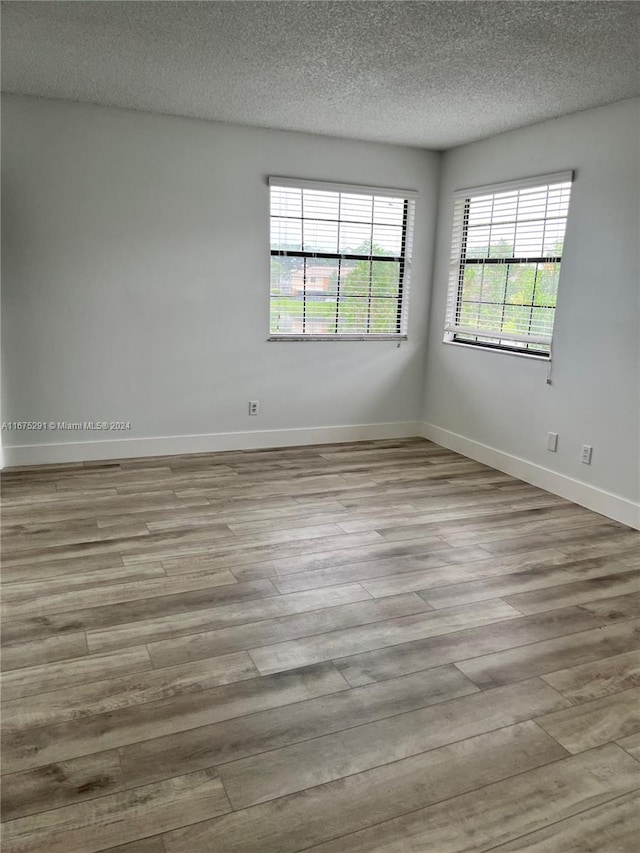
298 338
496 350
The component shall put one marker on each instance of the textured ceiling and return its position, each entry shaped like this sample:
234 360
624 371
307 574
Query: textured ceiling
429 74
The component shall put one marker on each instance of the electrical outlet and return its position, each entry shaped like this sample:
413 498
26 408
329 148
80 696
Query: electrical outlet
552 442
587 450
254 407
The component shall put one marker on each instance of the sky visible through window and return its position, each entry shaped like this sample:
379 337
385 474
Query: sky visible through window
511 246
328 276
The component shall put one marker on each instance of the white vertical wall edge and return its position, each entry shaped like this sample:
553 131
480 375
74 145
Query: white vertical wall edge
127 448
605 503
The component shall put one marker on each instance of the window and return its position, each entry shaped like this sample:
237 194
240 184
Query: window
505 264
340 260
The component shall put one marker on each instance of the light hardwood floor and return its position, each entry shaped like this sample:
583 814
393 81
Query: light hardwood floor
380 646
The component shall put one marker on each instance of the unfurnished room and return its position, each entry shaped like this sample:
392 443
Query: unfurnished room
320 426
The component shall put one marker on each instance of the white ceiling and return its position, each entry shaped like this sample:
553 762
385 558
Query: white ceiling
429 74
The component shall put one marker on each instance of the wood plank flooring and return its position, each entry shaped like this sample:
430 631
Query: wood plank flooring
378 647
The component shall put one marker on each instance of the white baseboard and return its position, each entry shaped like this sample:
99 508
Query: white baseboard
613 506
127 448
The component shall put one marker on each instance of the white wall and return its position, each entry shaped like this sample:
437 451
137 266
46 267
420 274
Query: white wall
502 402
135 286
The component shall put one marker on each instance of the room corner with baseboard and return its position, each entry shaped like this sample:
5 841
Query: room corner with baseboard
320 427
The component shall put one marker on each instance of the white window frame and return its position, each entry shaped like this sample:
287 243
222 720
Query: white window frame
404 259
533 345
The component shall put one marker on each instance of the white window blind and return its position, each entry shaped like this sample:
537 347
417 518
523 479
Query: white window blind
506 254
340 260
